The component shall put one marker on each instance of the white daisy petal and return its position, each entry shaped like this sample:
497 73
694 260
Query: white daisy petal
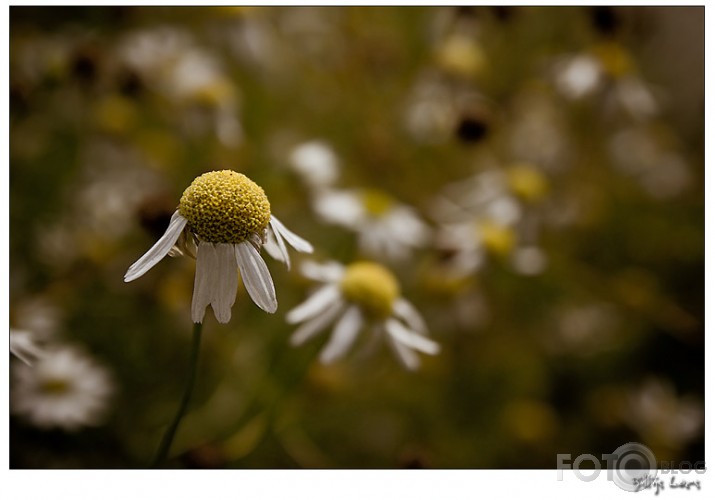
204 280
226 284
328 272
159 250
293 239
256 278
409 338
271 246
406 311
315 325
343 335
314 305
24 346
275 226
408 358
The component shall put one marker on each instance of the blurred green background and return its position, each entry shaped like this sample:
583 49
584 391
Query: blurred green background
114 111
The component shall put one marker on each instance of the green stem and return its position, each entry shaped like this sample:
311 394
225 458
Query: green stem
171 430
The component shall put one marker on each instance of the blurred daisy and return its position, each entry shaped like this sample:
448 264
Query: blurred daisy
487 215
24 346
223 220
608 68
65 388
384 226
315 162
363 295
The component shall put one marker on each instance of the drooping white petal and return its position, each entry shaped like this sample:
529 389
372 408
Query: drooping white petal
293 239
185 245
204 281
409 338
159 250
328 272
226 286
314 305
315 325
256 278
343 336
271 246
408 358
406 311
279 240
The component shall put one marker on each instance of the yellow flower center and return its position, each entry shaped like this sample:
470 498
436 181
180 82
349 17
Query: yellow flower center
225 207
496 238
527 182
614 58
370 286
55 386
376 202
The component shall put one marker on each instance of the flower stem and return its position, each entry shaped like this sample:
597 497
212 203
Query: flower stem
168 438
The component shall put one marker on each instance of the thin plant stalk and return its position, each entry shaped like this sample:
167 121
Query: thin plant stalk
168 438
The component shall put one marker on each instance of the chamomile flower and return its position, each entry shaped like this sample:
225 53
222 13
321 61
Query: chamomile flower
362 295
65 388
384 226
489 215
223 220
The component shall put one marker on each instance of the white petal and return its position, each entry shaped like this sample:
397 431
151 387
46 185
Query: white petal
159 250
409 338
408 358
271 247
316 303
315 325
329 272
226 286
343 335
293 239
204 280
279 240
256 278
339 207
406 311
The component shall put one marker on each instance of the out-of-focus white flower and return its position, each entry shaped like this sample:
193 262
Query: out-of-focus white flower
609 69
578 76
639 152
24 345
65 388
223 220
363 295
170 61
385 228
484 214
38 314
656 412
315 162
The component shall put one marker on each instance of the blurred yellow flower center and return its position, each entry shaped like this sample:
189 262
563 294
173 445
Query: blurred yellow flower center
225 207
376 202
55 386
614 58
496 238
370 286
527 182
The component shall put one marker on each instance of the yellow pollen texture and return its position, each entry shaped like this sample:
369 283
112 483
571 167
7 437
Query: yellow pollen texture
225 207
370 286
